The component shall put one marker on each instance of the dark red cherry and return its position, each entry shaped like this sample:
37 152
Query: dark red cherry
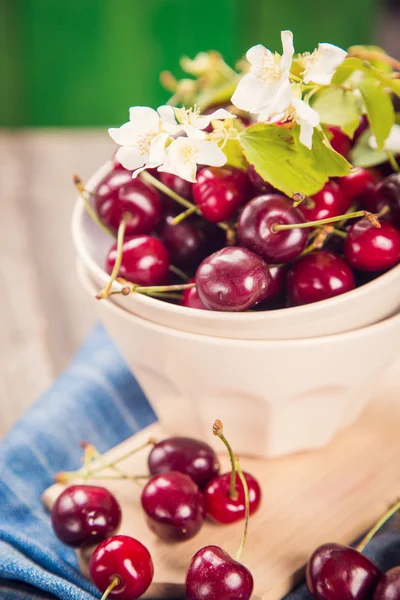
336 572
185 241
255 228
177 184
186 455
221 507
214 575
389 586
339 141
232 279
174 506
118 194
191 298
85 512
220 191
328 202
145 260
125 558
363 126
318 276
387 193
369 248
259 183
358 184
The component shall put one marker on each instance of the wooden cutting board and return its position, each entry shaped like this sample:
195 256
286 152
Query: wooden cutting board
310 498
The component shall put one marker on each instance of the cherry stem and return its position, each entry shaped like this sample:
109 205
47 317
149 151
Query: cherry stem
339 233
247 508
184 215
91 453
115 581
92 214
393 162
105 292
385 517
218 430
373 55
179 273
149 442
154 289
276 227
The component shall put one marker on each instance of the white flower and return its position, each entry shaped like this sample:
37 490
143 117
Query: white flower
267 85
192 122
392 142
143 138
184 154
320 66
299 112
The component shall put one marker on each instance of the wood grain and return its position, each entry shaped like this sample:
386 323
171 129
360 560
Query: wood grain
333 494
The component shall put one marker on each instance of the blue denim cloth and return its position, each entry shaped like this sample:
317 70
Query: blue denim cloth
96 399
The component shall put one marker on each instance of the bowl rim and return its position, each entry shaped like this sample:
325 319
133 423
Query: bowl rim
79 214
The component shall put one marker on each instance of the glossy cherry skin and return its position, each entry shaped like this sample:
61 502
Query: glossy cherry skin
214 575
255 233
328 202
336 572
126 558
220 506
369 248
118 194
389 586
220 191
186 455
191 298
174 506
358 184
185 241
259 183
318 276
232 279
177 184
387 193
339 141
145 260
84 513
363 125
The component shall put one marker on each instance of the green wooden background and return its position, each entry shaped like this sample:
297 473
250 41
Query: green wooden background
84 62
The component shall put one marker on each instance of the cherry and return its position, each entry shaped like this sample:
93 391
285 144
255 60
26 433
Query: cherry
191 298
370 248
358 183
339 141
123 566
186 455
336 572
177 184
214 575
389 586
363 125
85 512
220 191
255 230
185 241
221 507
232 279
174 506
118 193
388 193
318 276
328 202
258 182
278 284
145 260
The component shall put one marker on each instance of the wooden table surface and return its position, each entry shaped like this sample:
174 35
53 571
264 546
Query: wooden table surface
44 315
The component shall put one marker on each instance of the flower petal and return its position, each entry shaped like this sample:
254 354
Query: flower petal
278 103
256 54
193 132
126 135
288 50
179 160
167 114
306 133
144 118
305 112
324 63
203 121
131 158
210 154
157 149
252 93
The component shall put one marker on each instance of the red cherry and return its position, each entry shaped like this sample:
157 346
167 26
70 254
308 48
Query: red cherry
214 575
387 193
363 126
186 455
85 512
328 202
339 141
358 184
318 276
336 572
174 506
185 241
255 228
259 183
145 260
221 507
220 191
118 193
191 298
177 184
124 558
389 586
369 248
232 279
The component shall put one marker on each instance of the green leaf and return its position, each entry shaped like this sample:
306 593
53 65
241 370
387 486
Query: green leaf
362 155
280 158
347 68
382 65
234 155
379 107
338 107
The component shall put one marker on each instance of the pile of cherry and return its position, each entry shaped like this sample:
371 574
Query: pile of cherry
237 243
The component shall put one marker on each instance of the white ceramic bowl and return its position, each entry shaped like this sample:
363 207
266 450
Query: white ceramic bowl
368 304
274 397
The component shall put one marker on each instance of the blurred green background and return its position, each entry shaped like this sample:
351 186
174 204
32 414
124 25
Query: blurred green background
84 62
